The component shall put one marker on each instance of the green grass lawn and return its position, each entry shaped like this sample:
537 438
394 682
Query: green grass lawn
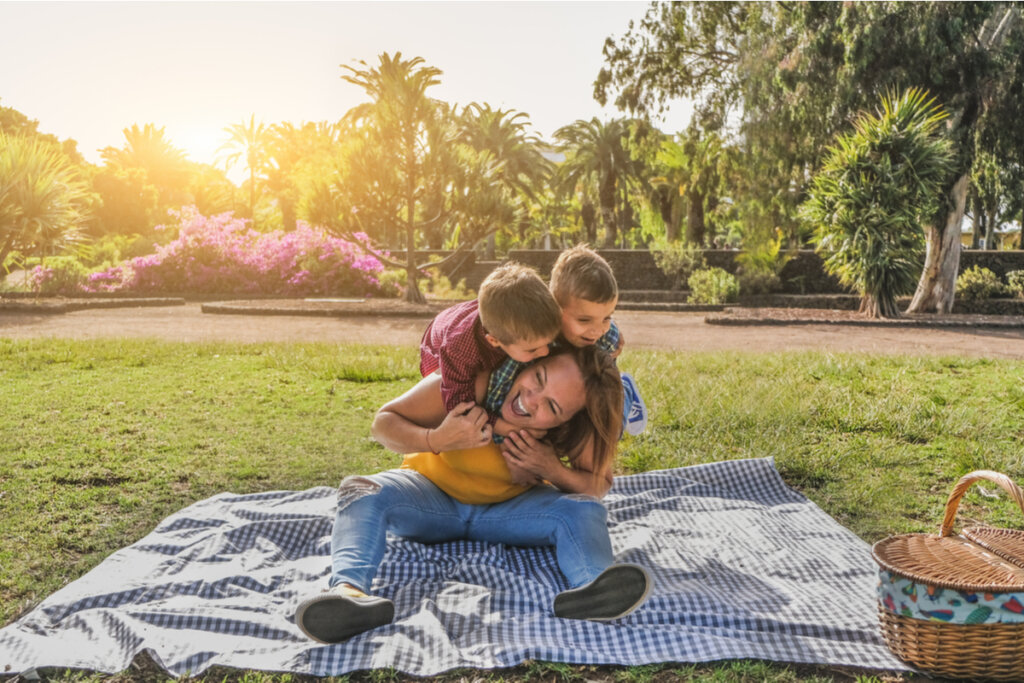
99 440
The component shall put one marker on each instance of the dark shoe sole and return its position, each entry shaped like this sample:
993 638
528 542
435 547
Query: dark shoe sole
619 590
332 618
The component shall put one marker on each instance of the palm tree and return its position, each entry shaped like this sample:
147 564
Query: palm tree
506 135
164 169
149 149
597 155
248 140
42 201
522 167
292 151
396 124
688 172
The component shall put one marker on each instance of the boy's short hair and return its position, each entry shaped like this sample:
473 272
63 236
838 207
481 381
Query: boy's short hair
516 305
581 272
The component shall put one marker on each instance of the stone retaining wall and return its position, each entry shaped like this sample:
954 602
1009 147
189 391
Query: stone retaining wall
635 269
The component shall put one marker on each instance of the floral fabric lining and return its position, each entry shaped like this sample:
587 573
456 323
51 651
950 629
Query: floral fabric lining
904 596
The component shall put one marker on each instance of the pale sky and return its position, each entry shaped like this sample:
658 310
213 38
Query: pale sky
86 70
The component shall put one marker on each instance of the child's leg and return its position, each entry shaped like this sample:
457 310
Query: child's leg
401 501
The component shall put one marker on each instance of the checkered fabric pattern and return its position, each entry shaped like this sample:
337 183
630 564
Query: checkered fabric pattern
741 565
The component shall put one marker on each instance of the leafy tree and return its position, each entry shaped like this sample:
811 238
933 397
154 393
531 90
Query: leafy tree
130 203
42 200
797 72
249 141
212 192
875 189
16 124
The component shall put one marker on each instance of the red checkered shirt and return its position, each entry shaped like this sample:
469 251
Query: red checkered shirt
454 343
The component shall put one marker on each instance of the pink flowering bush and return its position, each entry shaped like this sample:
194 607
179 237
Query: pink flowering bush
222 255
58 275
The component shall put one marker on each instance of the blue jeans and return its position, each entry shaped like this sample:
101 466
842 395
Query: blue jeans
409 505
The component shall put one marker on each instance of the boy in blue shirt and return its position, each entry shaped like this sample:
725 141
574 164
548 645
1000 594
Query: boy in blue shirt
584 286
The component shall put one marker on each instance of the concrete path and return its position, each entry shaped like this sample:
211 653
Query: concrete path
642 330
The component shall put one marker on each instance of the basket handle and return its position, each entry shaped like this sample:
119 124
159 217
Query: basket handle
965 482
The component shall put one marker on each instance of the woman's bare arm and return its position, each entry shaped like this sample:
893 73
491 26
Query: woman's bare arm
417 421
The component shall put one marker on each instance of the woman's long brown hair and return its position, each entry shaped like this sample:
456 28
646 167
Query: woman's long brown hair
601 417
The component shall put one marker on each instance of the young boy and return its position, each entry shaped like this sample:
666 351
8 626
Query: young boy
584 286
515 317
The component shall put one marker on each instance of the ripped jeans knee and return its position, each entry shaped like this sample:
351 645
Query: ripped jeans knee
353 488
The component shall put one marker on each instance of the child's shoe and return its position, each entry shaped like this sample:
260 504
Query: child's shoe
616 592
342 612
636 419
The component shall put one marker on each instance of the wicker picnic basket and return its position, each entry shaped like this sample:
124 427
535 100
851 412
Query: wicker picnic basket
954 605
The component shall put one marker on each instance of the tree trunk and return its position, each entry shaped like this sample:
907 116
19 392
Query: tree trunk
878 307
412 288
625 220
937 286
976 226
589 218
695 218
287 213
990 229
606 200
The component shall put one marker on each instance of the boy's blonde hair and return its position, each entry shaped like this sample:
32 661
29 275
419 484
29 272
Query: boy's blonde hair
581 272
516 305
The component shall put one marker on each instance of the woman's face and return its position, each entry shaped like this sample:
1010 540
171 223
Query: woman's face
545 394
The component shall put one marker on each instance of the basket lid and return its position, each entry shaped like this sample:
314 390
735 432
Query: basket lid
948 562
1006 543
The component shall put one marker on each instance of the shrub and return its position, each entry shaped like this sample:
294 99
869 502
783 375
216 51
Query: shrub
713 286
976 283
59 275
221 254
438 286
1015 283
759 281
678 260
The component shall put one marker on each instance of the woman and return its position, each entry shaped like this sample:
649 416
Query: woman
459 485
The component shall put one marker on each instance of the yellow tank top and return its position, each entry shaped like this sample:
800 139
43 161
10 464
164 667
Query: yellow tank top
475 476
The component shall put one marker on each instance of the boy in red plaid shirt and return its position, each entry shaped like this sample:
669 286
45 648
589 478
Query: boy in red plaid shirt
515 317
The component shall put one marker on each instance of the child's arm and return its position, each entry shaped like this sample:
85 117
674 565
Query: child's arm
612 341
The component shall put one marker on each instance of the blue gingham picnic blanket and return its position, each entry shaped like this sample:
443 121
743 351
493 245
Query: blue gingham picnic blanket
744 567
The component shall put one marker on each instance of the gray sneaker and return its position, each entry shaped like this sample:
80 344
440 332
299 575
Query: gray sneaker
616 592
342 612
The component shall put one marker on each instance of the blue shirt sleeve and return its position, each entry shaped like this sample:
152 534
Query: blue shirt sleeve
610 340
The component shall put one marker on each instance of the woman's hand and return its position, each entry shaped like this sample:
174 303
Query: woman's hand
523 451
464 427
